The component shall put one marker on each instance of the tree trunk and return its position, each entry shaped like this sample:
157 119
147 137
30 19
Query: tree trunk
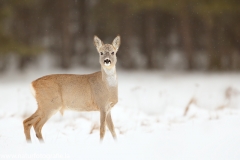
83 19
24 33
149 38
185 27
22 62
214 57
223 50
65 35
3 62
126 58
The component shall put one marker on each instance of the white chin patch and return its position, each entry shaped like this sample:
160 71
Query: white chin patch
107 64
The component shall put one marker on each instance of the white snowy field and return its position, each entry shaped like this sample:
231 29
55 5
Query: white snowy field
160 115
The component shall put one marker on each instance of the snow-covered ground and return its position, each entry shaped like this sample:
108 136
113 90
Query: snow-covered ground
160 115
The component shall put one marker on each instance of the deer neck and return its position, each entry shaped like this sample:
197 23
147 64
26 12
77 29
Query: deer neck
110 76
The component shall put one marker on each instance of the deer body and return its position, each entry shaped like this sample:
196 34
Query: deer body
92 92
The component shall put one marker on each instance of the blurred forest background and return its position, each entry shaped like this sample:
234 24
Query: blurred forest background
188 34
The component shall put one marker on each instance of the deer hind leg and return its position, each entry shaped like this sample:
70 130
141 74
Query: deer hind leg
27 124
46 114
110 125
38 127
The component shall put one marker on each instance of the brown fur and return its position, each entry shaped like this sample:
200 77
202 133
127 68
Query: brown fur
92 92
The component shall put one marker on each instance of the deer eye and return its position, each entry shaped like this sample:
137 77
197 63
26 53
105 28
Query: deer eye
101 53
112 53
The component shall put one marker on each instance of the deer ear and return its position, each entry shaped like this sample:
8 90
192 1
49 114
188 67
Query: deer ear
116 42
97 42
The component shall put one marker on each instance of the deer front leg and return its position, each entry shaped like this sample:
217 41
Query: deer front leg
110 125
103 115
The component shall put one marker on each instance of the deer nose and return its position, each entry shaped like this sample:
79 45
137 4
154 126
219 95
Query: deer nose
107 61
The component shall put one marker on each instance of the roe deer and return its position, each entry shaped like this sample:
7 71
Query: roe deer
92 92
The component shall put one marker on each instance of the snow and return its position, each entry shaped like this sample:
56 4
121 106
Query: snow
150 118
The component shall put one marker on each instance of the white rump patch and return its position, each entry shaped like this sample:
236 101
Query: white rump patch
32 90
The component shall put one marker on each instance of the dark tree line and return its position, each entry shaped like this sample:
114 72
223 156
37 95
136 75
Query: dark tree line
64 28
